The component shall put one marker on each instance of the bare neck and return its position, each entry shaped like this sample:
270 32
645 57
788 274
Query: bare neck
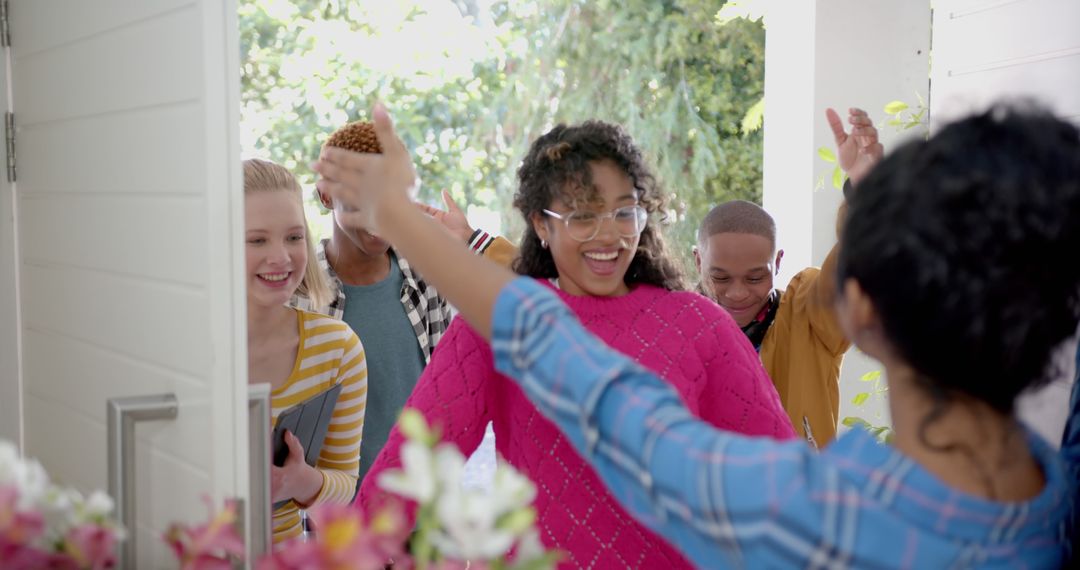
964 442
265 322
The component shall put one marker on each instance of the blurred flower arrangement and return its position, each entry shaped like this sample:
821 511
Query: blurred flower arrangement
456 528
43 525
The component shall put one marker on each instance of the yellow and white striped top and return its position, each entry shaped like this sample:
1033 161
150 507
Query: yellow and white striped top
329 353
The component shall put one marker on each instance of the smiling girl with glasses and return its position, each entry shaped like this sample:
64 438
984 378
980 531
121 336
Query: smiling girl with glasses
590 204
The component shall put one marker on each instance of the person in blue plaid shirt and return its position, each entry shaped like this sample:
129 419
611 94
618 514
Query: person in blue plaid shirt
950 273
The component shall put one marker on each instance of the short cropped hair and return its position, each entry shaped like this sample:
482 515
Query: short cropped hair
738 217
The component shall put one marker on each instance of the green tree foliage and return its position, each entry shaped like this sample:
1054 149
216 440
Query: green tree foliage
473 82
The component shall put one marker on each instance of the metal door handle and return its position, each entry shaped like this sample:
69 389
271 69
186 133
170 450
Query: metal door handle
123 413
259 469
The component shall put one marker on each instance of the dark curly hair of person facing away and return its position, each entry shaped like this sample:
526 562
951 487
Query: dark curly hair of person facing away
968 246
557 166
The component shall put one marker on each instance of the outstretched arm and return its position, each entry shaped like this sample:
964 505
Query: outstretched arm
710 492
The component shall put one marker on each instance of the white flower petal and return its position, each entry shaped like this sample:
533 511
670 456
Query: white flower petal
416 479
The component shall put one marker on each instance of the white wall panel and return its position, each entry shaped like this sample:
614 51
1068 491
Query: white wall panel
152 59
52 24
86 370
161 323
156 473
988 51
156 237
90 166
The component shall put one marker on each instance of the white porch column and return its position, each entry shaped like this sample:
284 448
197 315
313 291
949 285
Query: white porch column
840 54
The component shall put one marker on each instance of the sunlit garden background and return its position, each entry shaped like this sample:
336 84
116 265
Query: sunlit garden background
472 82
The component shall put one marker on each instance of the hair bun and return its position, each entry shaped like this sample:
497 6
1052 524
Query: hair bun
357 137
555 152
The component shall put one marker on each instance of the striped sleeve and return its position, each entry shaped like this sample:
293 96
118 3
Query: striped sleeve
329 353
339 459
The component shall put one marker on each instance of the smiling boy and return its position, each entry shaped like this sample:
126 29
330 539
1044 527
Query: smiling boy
794 330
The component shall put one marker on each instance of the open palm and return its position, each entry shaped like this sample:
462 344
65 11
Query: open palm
858 151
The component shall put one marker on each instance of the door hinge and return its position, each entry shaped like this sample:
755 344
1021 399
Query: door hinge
5 27
9 140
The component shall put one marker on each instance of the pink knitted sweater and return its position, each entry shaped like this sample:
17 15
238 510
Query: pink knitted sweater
683 337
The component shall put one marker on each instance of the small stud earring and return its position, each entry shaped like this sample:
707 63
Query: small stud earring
543 243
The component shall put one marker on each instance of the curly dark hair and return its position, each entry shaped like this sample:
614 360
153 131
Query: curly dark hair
966 245
557 166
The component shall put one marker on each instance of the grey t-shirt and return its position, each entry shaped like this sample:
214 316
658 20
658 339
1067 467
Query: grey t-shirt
394 358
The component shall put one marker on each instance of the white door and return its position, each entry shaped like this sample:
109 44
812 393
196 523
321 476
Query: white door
986 51
130 217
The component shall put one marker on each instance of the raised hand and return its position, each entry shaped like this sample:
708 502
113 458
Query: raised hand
452 218
859 150
364 183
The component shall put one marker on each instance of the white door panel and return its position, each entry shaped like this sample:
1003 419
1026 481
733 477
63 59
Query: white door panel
988 51
162 323
160 474
1001 31
56 23
155 60
93 167
130 258
95 231
77 380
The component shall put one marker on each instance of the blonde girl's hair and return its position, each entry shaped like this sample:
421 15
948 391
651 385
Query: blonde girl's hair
265 176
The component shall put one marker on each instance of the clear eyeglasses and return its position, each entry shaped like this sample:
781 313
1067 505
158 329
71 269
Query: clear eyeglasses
584 225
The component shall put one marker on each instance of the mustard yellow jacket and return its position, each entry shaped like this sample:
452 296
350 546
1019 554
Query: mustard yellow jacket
501 251
803 350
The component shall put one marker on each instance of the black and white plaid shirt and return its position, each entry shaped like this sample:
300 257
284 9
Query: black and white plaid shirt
428 312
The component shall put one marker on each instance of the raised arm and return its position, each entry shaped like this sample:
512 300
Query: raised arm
711 493
376 188
493 247
857 152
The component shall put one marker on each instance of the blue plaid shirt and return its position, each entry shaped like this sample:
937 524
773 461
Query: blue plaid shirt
1070 451
732 501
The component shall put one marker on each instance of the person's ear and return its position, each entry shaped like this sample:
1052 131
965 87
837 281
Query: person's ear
779 256
859 319
540 226
697 259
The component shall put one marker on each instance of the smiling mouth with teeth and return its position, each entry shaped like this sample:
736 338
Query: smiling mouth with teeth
274 277
602 256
